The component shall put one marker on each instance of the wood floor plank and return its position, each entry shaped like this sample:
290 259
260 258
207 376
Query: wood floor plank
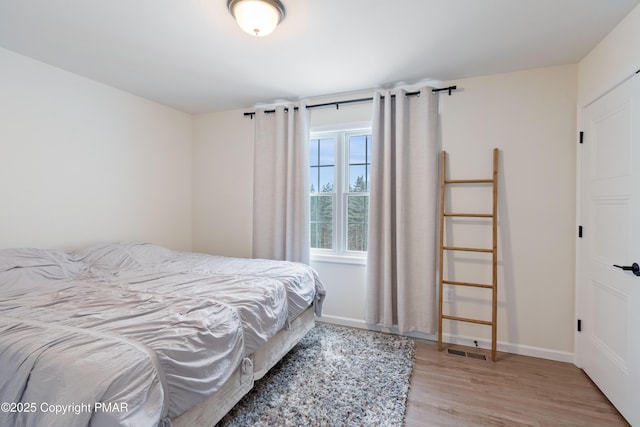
448 390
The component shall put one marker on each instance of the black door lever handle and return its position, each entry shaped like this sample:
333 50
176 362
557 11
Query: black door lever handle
635 268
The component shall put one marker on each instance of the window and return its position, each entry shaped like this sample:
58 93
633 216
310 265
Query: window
340 164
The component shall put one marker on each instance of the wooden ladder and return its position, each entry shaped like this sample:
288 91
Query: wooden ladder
493 250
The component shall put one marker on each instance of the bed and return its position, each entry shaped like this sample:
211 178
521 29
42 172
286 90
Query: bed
137 334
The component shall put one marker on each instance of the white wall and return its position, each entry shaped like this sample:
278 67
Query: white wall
223 183
82 162
614 59
529 115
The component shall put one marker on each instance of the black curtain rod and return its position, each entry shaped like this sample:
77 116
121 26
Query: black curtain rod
353 101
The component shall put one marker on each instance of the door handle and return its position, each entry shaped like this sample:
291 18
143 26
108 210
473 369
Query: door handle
635 268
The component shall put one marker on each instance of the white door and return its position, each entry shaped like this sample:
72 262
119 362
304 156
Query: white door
609 298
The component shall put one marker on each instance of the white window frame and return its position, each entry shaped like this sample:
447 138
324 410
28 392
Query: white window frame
339 253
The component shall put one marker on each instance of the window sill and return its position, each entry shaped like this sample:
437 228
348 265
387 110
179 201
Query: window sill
339 259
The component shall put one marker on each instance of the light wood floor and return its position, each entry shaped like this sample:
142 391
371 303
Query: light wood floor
448 390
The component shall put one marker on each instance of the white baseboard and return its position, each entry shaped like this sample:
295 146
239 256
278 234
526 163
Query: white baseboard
523 350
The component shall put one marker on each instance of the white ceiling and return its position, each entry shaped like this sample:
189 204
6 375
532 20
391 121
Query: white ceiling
191 55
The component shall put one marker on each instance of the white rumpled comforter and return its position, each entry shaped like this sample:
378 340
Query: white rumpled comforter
127 261
134 323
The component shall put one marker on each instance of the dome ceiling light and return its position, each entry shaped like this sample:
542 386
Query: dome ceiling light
257 17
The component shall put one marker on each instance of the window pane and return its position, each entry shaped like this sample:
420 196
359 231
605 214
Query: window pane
327 152
325 236
358 179
321 226
322 165
313 152
359 162
313 179
357 222
326 180
313 208
358 149
357 237
325 209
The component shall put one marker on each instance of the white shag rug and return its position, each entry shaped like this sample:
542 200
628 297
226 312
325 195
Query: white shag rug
335 376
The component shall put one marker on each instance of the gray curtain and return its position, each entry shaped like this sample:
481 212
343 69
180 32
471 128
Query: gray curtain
281 185
401 282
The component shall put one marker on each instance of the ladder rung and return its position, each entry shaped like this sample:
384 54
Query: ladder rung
464 319
470 215
468 181
475 285
455 248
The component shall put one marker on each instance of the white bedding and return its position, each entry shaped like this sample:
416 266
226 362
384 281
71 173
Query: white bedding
135 323
67 342
55 358
261 303
302 284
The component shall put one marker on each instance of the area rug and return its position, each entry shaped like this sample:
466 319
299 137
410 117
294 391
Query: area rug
335 376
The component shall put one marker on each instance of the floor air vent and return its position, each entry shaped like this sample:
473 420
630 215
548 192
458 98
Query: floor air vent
455 352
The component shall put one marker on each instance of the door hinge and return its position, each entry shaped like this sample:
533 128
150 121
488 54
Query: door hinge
580 231
581 137
579 325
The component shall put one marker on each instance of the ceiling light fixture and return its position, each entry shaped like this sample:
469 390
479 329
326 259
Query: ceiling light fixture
257 17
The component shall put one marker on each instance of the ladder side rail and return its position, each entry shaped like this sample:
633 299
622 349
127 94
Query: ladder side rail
443 166
494 326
